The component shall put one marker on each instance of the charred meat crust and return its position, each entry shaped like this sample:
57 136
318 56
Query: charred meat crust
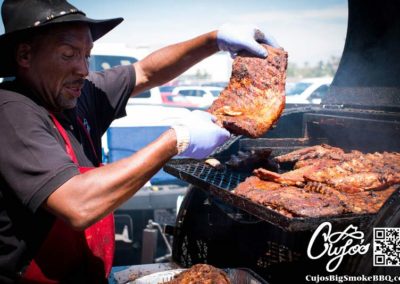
255 96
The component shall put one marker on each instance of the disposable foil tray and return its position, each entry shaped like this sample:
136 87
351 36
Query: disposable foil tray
235 275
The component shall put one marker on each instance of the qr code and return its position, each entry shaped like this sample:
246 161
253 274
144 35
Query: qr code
386 246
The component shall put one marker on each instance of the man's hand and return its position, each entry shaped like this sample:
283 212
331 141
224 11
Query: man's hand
198 136
234 38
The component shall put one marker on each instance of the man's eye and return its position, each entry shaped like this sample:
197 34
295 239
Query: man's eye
68 55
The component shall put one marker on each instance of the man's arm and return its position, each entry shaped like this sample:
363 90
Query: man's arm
169 62
88 197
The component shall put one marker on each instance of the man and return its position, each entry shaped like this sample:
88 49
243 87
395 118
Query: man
56 202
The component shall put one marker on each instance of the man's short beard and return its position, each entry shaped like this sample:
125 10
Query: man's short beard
62 103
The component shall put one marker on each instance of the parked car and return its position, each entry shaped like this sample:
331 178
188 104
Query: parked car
107 55
200 96
168 97
166 88
307 91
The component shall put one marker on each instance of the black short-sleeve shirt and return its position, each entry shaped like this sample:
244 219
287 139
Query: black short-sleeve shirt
33 160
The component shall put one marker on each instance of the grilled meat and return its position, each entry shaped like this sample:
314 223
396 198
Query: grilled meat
254 182
326 181
200 274
360 172
314 200
296 176
358 202
255 96
318 151
289 178
289 200
368 201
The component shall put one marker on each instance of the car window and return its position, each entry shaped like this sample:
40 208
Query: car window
145 94
293 89
166 89
320 92
200 93
215 93
102 62
185 93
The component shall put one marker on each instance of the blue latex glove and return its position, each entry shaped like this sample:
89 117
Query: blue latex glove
204 135
234 38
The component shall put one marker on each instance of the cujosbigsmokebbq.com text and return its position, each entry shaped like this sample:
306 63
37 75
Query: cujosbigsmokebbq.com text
349 278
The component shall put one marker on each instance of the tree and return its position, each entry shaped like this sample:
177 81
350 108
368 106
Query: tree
321 69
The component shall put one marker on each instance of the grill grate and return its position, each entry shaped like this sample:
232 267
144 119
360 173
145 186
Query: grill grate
221 182
223 179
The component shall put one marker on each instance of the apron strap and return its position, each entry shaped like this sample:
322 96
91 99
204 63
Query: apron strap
89 138
67 141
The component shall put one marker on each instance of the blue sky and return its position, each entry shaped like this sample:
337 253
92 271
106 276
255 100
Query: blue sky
310 30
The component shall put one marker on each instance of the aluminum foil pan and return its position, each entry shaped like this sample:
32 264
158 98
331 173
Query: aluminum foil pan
236 276
158 277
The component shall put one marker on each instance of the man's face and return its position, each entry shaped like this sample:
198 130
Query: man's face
58 65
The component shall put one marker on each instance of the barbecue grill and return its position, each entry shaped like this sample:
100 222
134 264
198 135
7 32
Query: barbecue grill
361 112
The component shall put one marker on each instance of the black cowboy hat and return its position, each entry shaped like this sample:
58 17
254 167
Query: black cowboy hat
24 16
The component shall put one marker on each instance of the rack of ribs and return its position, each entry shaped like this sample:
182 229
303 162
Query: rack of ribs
313 152
290 200
360 172
350 182
254 99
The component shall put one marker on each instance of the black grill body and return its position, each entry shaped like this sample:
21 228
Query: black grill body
361 112
217 227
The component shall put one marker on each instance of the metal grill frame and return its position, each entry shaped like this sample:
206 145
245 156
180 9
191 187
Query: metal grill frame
212 180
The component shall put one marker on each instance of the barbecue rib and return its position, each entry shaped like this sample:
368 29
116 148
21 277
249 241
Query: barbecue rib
296 176
326 181
318 151
255 96
289 200
200 273
360 172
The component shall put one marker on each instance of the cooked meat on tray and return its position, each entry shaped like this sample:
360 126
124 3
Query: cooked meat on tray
296 176
289 200
363 172
200 273
255 96
318 151
325 181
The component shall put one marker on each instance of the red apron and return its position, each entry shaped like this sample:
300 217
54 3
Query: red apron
65 251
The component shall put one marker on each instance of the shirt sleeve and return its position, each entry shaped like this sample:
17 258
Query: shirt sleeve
33 161
112 89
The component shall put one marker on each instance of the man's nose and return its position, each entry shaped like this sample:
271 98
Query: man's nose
83 66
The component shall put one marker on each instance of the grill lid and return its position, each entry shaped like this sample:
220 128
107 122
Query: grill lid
368 73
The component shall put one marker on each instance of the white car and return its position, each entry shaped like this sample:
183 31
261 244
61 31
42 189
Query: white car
105 56
307 91
200 96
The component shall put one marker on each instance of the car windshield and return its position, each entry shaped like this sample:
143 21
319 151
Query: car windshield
166 89
293 89
103 62
215 93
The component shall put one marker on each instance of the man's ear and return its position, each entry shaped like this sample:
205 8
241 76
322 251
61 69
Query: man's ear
24 54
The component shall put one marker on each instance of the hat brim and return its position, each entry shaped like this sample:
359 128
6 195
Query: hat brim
98 28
